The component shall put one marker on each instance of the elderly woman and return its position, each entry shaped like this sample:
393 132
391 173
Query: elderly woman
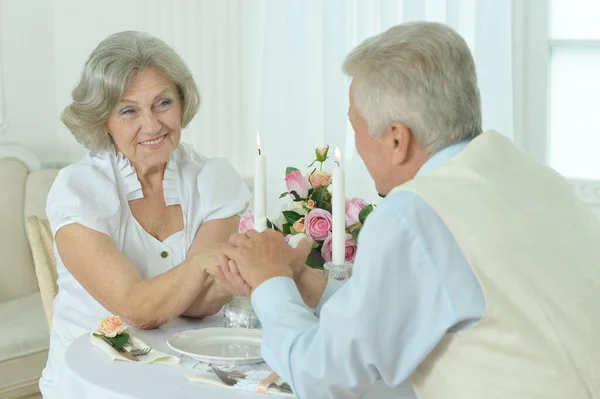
137 220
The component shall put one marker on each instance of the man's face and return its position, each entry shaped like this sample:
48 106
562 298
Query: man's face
371 150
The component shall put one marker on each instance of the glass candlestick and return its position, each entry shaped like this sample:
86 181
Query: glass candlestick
338 272
238 313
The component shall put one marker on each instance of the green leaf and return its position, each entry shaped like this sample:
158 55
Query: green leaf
291 216
362 216
356 225
312 163
120 340
314 259
289 170
354 234
319 196
285 229
272 225
283 195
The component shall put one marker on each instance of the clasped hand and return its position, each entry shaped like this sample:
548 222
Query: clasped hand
253 258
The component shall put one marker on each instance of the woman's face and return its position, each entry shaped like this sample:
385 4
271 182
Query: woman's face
146 124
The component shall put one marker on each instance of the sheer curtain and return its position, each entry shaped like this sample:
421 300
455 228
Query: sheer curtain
301 95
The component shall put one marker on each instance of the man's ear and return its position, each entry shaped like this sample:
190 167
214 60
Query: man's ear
397 139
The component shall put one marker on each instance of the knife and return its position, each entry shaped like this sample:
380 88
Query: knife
121 350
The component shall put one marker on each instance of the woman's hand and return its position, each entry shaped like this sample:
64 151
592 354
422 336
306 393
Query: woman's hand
228 276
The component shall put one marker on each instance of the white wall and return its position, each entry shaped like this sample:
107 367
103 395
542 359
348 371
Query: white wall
44 44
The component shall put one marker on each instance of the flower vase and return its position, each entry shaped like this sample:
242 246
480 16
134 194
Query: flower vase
338 272
238 313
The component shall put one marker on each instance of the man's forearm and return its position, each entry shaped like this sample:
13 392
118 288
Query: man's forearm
311 284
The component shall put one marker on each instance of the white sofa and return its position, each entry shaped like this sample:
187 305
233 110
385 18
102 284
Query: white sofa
23 326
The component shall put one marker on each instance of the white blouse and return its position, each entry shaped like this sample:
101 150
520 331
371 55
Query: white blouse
95 193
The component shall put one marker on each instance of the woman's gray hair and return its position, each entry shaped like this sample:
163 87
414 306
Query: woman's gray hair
105 77
419 74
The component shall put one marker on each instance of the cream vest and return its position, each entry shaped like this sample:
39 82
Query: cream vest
536 251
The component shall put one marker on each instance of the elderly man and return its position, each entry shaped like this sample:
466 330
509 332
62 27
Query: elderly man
476 277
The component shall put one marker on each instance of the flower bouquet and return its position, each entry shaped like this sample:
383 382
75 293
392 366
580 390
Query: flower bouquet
309 212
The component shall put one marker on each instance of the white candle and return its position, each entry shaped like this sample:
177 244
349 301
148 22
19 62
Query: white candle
338 203
260 190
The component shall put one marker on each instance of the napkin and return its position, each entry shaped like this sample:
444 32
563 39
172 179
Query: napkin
254 376
153 356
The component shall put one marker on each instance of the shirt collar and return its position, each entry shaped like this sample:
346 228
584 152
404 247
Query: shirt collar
440 157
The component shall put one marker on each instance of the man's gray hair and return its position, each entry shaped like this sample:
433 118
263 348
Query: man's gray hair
106 74
419 74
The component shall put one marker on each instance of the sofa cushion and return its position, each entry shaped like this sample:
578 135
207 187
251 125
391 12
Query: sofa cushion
16 269
23 344
36 191
44 259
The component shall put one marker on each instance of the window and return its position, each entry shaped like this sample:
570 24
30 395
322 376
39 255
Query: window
573 113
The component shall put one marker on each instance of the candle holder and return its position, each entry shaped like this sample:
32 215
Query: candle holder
238 313
338 272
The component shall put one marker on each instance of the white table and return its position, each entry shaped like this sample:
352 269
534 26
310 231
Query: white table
88 373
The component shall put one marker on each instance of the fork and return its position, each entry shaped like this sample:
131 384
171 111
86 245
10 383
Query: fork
223 377
141 352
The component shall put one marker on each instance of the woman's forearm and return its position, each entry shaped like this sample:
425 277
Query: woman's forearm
153 302
210 300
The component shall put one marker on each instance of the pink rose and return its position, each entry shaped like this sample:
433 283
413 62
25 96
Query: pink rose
111 326
246 223
287 238
322 151
318 224
298 183
299 226
353 208
351 247
320 179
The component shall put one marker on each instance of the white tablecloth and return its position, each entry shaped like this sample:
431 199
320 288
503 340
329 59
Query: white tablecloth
89 373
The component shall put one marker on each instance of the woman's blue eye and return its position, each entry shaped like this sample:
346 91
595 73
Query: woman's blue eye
127 111
164 103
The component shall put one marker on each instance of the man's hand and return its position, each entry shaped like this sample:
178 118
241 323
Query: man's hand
303 248
262 256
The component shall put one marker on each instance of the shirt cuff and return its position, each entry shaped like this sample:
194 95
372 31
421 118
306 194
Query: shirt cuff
270 296
331 288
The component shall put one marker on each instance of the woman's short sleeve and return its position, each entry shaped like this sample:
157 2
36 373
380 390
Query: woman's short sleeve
83 194
222 191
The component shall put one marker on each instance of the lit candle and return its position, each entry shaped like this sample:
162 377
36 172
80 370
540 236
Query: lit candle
338 203
260 190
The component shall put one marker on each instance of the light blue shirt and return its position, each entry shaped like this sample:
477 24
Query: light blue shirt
411 285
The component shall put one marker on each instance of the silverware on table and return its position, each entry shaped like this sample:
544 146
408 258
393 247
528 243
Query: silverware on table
124 352
222 376
141 351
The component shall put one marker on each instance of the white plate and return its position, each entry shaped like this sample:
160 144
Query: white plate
219 346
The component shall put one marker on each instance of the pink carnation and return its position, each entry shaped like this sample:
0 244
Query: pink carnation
318 224
351 247
246 223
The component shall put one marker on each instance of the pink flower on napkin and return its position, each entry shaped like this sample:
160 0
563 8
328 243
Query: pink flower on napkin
298 183
318 224
351 247
246 223
111 326
353 208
